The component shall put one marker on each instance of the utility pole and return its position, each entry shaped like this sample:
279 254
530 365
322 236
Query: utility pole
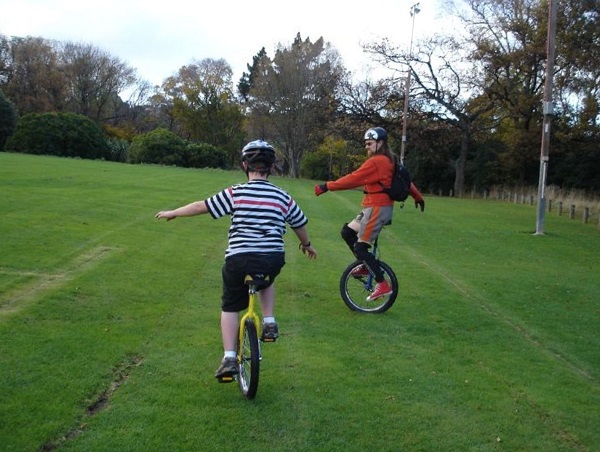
548 112
414 10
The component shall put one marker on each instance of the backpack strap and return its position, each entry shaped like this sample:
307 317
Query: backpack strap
375 192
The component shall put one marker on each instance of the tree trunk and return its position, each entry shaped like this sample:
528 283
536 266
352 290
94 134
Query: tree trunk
459 179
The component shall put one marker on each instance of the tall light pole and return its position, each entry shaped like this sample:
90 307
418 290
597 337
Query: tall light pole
414 10
548 112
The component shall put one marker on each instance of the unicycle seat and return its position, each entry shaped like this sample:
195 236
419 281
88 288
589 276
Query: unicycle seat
259 280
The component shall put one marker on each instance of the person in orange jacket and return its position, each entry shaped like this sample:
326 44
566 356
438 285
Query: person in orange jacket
377 206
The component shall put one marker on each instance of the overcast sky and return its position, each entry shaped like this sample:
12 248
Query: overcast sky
158 37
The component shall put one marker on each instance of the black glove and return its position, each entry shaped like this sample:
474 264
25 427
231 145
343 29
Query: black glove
420 204
320 189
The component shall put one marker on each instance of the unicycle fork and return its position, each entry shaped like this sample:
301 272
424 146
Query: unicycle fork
249 349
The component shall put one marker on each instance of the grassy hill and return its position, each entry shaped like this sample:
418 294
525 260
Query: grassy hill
109 323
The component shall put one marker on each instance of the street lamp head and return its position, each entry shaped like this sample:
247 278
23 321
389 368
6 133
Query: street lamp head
414 9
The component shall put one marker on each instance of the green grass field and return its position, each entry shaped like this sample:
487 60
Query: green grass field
109 324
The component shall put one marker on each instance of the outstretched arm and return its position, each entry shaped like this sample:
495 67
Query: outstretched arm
305 244
417 196
192 209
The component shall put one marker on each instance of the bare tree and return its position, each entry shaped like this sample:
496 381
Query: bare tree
31 75
94 80
444 84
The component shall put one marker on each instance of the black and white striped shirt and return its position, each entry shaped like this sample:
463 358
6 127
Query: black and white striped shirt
259 212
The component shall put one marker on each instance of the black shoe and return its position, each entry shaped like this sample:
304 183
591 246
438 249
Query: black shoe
227 369
270 332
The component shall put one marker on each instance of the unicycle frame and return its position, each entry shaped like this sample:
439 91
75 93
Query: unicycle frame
249 349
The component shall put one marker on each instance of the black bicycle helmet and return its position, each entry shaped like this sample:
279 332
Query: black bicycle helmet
258 151
376 133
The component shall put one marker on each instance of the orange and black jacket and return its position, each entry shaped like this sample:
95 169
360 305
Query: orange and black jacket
372 175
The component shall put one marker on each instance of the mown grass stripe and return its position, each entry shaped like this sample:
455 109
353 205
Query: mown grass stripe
20 296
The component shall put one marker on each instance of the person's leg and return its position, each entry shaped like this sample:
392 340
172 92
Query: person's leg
370 223
355 224
362 252
349 233
270 329
272 265
233 300
229 330
229 365
267 301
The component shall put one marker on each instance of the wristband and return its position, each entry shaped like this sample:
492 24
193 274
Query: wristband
303 245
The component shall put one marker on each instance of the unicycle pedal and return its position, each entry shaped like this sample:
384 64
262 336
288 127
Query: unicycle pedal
226 379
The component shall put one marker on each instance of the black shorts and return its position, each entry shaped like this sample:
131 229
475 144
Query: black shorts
235 269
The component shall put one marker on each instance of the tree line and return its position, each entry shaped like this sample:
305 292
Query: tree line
474 119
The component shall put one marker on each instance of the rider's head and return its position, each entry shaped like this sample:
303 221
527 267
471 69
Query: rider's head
376 133
376 140
258 156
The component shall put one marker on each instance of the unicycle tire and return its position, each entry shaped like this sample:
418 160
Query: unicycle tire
249 355
355 290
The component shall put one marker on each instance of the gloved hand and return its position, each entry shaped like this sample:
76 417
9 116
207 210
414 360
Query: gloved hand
421 204
320 189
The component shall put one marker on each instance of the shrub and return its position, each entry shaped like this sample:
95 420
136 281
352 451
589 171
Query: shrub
315 166
204 155
61 134
118 150
159 146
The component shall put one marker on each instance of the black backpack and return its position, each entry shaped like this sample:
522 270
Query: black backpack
400 187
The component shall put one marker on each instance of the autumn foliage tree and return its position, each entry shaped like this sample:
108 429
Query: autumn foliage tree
200 101
292 95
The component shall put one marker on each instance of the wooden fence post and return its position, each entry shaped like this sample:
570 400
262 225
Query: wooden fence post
559 208
549 205
572 212
586 214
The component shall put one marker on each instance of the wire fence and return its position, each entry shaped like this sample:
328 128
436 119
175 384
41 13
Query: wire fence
575 204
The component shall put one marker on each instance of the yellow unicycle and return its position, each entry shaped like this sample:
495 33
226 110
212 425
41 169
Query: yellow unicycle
249 350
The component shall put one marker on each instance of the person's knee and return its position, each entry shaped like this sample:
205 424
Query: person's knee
348 234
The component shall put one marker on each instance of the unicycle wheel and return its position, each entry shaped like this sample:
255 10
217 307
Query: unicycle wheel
355 289
249 360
